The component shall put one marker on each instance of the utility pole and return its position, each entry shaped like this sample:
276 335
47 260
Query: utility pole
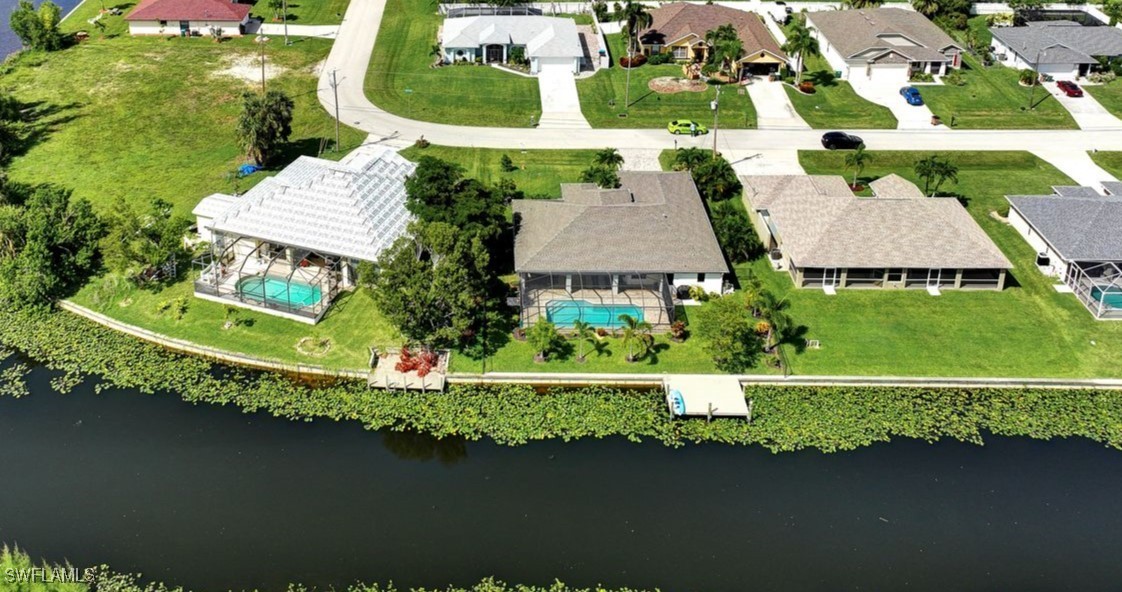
261 40
1035 78
627 85
335 88
716 119
284 18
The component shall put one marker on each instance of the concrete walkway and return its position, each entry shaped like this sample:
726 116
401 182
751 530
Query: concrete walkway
1086 110
350 56
641 160
560 103
773 106
765 162
1077 165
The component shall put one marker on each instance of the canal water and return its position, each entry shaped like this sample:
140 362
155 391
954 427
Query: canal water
9 43
211 498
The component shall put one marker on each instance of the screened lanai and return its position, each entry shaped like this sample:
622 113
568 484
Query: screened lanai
292 243
1098 286
596 298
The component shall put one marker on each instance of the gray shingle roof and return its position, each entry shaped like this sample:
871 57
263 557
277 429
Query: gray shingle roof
1078 228
1075 191
895 186
1113 187
1060 43
543 36
664 229
353 208
819 230
854 32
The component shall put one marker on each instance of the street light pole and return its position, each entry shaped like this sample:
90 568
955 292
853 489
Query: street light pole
1036 72
335 87
627 85
261 40
716 119
284 18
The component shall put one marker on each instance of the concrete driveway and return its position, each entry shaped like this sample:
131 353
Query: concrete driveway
1087 112
888 94
773 106
560 102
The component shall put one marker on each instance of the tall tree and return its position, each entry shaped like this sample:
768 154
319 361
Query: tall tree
860 4
634 17
37 29
725 47
935 171
857 160
140 239
774 311
728 332
437 191
688 159
928 8
734 232
635 337
265 124
542 337
716 180
608 157
800 43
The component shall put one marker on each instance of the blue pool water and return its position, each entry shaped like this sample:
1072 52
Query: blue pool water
564 313
277 291
1112 297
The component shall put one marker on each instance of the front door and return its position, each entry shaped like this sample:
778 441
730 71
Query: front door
934 277
184 28
494 53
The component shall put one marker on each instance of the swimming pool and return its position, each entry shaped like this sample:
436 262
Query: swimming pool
279 292
1112 297
564 313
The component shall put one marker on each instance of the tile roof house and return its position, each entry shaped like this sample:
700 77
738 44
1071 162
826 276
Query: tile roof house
610 250
1078 238
886 44
1064 50
290 243
188 17
680 28
824 236
545 40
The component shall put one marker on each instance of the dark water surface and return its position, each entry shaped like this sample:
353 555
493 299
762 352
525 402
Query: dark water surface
211 498
9 43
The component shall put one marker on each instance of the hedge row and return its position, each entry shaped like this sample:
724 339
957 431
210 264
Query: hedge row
785 418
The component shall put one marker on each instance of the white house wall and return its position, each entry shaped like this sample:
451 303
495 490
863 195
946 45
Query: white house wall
1013 60
202 27
1059 266
713 282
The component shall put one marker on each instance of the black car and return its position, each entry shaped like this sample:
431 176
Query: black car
840 140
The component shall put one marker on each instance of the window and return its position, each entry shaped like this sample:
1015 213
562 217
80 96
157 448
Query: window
681 53
864 278
163 24
701 278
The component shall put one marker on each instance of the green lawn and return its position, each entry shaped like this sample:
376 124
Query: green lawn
602 98
834 103
688 357
305 12
112 26
1109 95
540 172
400 80
994 99
353 324
145 118
1111 161
1026 330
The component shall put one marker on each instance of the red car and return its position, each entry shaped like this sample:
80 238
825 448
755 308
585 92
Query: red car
1069 88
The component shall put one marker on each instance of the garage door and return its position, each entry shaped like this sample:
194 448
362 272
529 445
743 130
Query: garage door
888 73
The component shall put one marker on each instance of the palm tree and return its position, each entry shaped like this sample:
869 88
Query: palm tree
774 311
583 333
927 8
436 52
858 4
634 17
609 158
801 42
636 337
687 159
725 47
857 161
753 289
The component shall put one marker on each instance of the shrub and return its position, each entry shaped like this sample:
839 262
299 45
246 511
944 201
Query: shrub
422 362
710 69
678 331
633 62
698 294
660 58
507 164
921 77
729 333
955 78
1027 76
1102 77
806 87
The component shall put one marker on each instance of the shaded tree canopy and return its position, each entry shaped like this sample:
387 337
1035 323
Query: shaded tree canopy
265 124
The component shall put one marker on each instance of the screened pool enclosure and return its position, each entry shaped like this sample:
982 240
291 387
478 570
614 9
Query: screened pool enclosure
596 298
1098 286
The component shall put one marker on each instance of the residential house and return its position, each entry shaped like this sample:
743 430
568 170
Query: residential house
546 42
680 29
883 44
816 229
290 244
188 17
598 253
1075 232
1064 50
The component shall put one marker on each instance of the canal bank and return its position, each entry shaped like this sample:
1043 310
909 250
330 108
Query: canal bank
212 498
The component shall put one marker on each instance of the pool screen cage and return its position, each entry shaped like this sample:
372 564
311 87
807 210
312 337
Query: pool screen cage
1098 286
301 282
542 294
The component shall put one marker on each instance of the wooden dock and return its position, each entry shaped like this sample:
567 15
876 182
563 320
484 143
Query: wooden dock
705 395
